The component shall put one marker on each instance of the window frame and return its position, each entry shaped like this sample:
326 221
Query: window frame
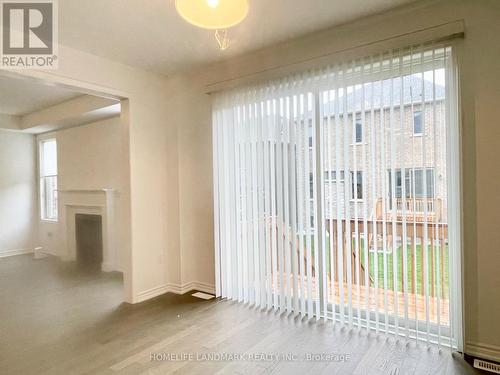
359 183
358 122
417 113
42 183
411 185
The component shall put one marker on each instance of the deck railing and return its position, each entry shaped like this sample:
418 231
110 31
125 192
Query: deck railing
425 271
412 209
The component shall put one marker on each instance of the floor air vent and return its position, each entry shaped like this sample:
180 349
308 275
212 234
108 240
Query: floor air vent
488 366
203 295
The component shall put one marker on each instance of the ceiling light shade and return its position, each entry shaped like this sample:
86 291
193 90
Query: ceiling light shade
213 14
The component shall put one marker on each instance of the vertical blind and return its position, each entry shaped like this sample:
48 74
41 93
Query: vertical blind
336 194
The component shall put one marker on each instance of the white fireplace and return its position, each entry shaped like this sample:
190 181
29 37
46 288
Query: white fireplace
91 202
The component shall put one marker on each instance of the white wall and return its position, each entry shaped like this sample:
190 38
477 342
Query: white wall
18 186
93 157
193 115
480 95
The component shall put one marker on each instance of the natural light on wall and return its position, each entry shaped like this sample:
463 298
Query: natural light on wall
336 194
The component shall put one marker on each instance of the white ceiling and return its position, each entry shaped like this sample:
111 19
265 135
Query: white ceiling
20 96
149 33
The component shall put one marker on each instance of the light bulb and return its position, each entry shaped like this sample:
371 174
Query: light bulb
213 3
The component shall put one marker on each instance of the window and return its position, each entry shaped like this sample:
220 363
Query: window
414 183
48 179
358 131
331 176
417 123
357 186
310 130
284 242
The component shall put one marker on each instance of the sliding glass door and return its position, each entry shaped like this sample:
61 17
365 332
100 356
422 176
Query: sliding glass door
333 193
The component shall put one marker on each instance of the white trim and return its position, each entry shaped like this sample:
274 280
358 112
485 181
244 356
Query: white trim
176 289
188 287
40 253
151 293
455 214
95 202
484 351
11 253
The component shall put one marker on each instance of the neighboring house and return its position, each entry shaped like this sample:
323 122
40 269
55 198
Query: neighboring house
406 143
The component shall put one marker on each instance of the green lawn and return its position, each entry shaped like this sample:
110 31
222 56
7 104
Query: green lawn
389 271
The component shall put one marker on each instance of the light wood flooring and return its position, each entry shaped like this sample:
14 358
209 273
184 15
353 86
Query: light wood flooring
55 319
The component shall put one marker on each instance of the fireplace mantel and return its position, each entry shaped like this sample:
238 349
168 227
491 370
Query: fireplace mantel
89 201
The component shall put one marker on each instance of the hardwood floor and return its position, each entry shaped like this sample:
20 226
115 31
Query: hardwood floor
55 319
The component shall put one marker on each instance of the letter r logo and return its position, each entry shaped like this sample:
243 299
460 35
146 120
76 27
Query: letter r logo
27 27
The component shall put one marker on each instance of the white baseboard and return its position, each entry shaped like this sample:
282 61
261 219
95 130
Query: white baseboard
11 253
484 351
151 293
40 253
107 267
176 289
47 251
193 285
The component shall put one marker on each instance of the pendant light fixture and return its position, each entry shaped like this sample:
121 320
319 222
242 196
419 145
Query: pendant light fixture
218 15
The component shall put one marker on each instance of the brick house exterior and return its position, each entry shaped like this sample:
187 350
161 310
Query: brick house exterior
412 139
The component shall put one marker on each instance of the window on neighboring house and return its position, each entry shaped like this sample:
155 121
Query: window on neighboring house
48 179
331 176
358 131
414 184
357 186
417 123
310 132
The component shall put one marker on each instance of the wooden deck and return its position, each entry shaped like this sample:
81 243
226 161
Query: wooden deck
416 305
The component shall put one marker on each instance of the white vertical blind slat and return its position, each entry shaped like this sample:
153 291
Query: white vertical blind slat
436 226
373 162
366 245
340 193
261 197
327 118
404 240
237 179
217 231
424 245
293 199
267 198
383 168
320 193
355 201
273 200
301 200
247 211
307 219
347 126
392 198
287 221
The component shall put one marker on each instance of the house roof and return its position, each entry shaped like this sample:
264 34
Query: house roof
409 88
